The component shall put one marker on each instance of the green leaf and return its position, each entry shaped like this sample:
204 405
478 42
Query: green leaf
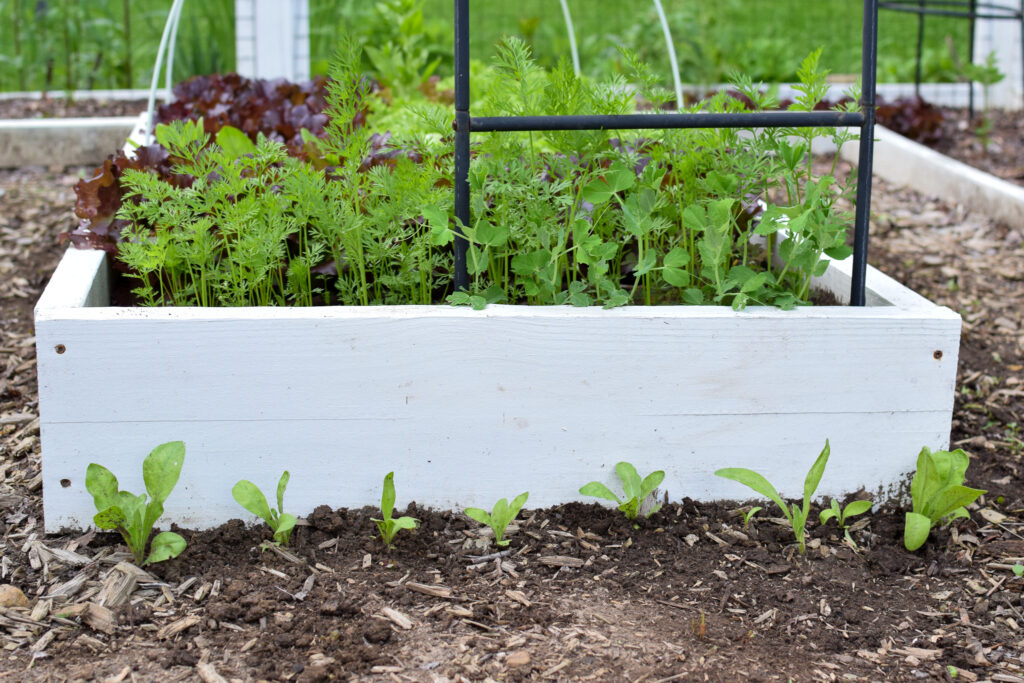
758 483
161 469
234 142
916 530
651 482
517 504
857 507
951 499
249 496
814 476
102 484
285 524
387 500
630 480
478 515
165 546
440 231
109 518
405 523
826 515
282 484
596 489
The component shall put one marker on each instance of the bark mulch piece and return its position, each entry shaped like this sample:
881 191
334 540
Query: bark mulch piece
579 594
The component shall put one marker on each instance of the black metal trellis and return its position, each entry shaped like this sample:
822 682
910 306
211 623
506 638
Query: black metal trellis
864 119
972 10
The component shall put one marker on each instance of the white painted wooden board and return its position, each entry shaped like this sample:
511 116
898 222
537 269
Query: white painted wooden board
469 406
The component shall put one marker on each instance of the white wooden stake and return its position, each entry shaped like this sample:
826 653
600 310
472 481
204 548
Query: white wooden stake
272 38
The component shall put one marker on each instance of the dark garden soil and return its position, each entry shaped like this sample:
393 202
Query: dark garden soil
993 141
580 595
59 107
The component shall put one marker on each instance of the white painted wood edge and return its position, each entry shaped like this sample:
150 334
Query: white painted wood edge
911 164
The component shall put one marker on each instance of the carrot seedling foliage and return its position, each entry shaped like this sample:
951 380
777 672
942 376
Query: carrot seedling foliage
132 515
636 490
936 492
501 515
797 515
249 496
389 526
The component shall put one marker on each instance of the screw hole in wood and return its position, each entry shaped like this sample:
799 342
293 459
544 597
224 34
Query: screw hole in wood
65 483
60 348
937 355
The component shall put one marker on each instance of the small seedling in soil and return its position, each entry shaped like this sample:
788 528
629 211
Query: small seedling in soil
500 516
841 515
937 492
636 491
748 516
389 527
249 496
797 516
132 515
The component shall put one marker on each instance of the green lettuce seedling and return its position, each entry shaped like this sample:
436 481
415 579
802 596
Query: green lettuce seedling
132 515
500 516
389 526
748 516
797 516
636 491
937 491
248 495
841 515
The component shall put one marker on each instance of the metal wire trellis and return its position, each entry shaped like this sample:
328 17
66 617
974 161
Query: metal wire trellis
972 10
864 119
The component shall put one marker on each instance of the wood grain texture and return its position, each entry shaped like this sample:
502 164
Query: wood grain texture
470 406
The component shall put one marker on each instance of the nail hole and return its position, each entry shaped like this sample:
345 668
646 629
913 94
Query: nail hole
937 355
65 483
60 348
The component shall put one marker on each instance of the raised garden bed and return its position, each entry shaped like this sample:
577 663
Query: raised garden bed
464 404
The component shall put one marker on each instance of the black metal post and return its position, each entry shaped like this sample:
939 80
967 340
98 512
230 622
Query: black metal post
862 219
920 50
461 140
766 119
972 19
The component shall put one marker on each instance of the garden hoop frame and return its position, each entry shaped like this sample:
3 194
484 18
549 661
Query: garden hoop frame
864 119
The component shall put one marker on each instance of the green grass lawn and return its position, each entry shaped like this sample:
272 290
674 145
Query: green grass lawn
62 44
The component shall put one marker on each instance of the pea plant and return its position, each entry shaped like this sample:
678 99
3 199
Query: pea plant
796 515
387 525
133 516
636 490
500 517
937 492
249 496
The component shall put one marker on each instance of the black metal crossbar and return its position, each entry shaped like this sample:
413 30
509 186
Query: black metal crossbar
864 119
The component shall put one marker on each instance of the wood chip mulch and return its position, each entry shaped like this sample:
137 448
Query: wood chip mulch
579 595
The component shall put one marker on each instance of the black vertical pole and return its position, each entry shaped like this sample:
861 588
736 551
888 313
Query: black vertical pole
971 19
869 57
461 139
920 49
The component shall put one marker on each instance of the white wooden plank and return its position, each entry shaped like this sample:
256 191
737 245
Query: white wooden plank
465 402
459 463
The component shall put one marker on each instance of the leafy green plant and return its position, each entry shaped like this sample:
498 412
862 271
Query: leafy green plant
388 525
249 496
500 517
748 516
937 492
132 515
636 490
841 515
1017 569
797 515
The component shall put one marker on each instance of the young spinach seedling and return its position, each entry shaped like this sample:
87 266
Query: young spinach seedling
501 515
936 492
841 515
389 526
636 491
797 516
249 496
748 516
132 515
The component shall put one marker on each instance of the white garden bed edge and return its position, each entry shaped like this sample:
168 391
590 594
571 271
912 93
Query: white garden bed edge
469 406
